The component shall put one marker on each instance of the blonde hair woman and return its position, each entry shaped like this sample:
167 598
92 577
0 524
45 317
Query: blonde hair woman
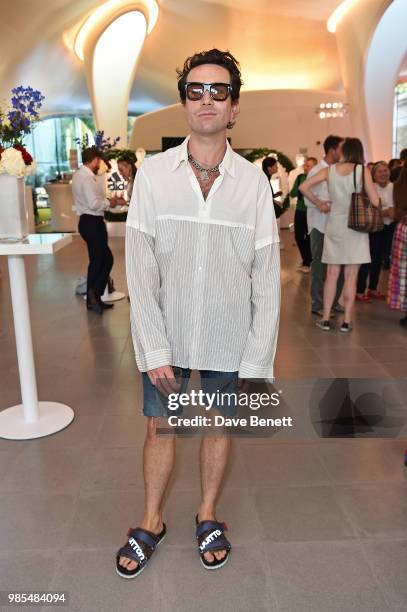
377 240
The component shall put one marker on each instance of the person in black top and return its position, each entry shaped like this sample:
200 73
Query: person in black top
270 167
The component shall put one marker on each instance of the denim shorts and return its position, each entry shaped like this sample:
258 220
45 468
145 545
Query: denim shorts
155 404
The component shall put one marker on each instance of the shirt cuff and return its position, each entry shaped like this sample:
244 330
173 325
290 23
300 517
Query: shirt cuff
249 370
154 359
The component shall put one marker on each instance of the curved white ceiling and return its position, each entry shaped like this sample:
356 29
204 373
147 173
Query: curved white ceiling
280 44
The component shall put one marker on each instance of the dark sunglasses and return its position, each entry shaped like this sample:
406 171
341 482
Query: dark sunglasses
217 91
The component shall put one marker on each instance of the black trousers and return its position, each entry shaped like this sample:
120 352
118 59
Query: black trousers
388 240
93 231
301 236
377 242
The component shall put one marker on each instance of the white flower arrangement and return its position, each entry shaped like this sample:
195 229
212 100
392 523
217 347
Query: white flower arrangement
12 162
17 120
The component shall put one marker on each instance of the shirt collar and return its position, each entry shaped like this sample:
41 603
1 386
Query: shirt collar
228 162
87 169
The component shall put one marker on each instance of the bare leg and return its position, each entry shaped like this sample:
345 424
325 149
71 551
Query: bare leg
331 281
214 454
349 290
158 462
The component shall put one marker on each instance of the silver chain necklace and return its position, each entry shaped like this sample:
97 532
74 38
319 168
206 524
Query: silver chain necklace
205 172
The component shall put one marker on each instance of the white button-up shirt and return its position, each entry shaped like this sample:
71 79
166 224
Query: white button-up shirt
203 275
386 197
316 218
88 193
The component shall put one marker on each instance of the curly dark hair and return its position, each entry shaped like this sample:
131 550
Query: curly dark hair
214 56
90 153
332 142
268 162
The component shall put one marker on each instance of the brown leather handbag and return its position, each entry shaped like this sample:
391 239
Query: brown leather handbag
363 216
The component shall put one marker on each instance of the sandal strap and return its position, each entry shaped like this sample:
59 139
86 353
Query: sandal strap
141 534
132 548
132 553
210 536
209 525
220 543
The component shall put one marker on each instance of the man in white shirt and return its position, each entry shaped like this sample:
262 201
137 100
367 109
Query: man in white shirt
316 220
90 204
203 271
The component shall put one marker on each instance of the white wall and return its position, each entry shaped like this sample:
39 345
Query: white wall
386 54
281 119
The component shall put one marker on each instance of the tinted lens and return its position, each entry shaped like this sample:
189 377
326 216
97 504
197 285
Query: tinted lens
219 91
195 91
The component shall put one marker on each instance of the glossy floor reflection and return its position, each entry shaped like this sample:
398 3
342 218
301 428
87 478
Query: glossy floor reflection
317 524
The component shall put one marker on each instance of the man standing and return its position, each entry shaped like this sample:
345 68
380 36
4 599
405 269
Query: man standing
316 220
203 270
90 204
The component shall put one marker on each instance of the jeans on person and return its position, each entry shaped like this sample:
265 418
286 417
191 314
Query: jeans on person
92 228
318 272
155 404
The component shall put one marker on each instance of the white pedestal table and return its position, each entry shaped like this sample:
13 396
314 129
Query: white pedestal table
31 419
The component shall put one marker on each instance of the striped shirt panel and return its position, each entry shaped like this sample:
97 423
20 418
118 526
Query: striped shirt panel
203 298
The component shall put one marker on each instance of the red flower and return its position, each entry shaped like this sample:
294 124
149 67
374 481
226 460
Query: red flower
26 156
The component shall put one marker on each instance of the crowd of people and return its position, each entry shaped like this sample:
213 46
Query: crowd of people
344 261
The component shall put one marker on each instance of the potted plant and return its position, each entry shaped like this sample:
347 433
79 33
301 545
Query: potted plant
16 121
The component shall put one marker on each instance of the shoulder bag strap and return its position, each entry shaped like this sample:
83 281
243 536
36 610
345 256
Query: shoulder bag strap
354 177
363 178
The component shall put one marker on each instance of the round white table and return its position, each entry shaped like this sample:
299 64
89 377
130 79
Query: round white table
31 419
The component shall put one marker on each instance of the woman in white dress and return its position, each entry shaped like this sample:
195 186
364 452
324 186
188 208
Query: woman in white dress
342 245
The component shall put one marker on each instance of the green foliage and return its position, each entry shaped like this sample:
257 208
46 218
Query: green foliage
260 153
116 153
89 122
